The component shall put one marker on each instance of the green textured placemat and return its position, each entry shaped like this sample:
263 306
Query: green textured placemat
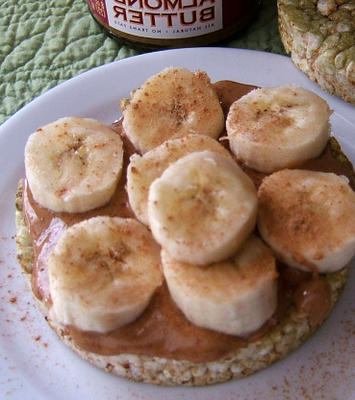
43 43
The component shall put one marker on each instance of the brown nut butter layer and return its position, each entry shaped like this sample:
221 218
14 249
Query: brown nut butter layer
162 330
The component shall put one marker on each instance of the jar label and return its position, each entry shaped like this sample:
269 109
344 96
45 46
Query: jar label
160 19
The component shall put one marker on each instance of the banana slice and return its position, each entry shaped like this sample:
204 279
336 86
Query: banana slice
278 127
308 218
143 170
202 207
73 164
236 296
173 103
102 273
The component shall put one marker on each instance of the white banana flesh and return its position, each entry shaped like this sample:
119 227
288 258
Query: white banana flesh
143 170
278 127
202 207
308 219
102 273
173 103
73 164
236 296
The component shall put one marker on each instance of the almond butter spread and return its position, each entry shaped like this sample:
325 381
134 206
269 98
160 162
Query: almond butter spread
172 23
162 330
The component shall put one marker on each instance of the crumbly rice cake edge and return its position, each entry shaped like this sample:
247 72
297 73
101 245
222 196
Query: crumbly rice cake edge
316 65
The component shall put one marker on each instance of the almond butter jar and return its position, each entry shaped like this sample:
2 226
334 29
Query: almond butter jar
154 24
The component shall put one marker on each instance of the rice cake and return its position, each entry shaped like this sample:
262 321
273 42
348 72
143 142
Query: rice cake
320 37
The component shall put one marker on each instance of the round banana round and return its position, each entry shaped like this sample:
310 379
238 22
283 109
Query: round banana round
102 273
236 296
73 164
278 127
173 103
308 218
202 207
143 170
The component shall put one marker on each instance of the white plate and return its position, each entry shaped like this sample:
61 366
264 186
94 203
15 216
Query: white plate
35 365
